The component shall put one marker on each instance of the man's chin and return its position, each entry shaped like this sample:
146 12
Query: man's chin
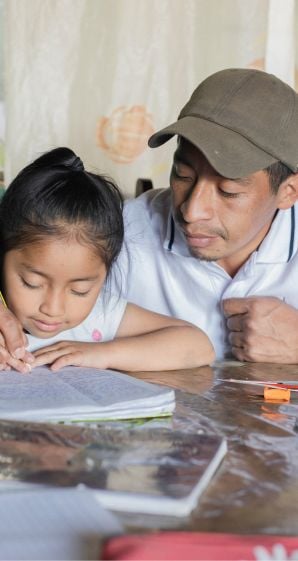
203 256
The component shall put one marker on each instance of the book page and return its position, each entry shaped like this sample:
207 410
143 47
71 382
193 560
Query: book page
39 389
83 392
108 387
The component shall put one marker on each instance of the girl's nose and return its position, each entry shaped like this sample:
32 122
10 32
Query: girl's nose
53 304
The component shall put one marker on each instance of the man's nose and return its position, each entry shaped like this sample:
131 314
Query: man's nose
53 303
199 205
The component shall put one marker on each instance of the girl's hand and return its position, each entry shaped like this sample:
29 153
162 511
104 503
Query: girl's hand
71 353
3 357
13 354
8 362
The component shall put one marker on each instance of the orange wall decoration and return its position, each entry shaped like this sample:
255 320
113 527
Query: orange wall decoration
123 136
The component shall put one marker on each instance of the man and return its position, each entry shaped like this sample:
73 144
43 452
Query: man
219 248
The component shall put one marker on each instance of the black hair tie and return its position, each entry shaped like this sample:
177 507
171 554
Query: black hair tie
77 164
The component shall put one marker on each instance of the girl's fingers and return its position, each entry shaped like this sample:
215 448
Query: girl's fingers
71 359
48 356
4 354
8 362
15 339
45 358
56 347
4 366
18 365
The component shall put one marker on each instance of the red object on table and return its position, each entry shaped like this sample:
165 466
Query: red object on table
178 546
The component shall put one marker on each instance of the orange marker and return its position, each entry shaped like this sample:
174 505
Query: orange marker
276 394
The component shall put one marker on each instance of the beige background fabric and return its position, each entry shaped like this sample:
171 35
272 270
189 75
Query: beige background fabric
100 76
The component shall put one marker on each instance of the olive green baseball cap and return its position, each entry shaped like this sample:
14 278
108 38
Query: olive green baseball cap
243 120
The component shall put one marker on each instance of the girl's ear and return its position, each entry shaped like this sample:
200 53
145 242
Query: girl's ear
288 192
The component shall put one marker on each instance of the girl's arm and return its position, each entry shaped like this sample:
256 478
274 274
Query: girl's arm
151 341
144 341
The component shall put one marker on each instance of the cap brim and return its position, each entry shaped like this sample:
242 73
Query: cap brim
229 153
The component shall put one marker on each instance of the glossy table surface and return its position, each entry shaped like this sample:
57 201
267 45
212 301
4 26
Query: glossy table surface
255 489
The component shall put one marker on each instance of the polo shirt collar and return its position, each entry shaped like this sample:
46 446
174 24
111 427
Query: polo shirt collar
279 244
174 240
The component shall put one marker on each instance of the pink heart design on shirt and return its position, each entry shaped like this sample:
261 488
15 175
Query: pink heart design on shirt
96 335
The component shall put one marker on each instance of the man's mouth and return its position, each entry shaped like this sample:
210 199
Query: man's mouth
200 240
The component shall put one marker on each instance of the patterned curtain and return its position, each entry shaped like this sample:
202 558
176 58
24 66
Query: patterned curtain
100 76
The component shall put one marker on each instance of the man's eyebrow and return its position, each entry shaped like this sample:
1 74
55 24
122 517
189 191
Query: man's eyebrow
243 180
181 160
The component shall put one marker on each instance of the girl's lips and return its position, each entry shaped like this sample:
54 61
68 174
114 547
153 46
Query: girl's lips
47 327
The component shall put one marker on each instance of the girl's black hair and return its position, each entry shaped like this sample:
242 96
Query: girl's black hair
55 196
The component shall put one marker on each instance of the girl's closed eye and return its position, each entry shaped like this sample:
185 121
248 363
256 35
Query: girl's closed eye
84 287
29 284
80 293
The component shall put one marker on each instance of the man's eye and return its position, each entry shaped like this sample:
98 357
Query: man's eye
228 195
178 175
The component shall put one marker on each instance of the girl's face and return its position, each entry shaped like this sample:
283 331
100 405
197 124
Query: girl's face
52 285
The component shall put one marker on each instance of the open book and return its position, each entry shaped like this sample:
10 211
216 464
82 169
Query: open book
147 471
80 394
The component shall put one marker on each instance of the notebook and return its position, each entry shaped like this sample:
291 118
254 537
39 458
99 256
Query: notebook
80 394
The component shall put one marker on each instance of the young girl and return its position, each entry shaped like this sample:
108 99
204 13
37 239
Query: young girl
61 231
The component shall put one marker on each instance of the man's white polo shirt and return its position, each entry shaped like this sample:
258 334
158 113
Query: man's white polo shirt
159 273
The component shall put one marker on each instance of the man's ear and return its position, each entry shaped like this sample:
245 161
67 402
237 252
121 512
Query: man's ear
288 192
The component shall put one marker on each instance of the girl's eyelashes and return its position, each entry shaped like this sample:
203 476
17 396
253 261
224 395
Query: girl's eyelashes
77 293
81 293
27 284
